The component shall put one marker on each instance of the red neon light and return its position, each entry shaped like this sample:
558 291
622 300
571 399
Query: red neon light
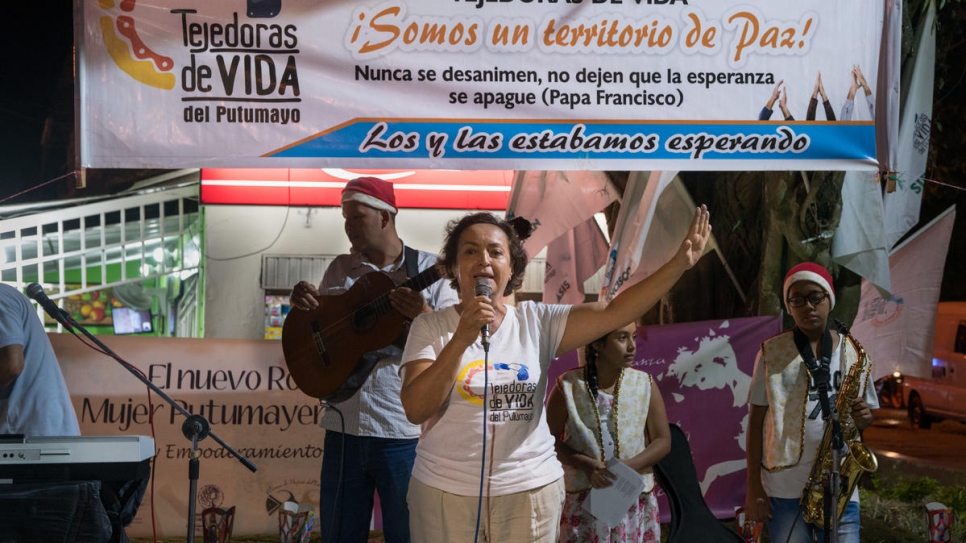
427 189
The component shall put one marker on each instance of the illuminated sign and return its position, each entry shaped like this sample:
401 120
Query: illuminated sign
428 189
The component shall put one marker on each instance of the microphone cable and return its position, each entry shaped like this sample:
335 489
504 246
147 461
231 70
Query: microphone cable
791 530
486 386
483 289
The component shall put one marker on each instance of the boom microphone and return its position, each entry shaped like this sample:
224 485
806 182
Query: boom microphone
36 292
483 289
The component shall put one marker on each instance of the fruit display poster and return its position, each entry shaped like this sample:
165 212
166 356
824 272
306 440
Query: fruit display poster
93 308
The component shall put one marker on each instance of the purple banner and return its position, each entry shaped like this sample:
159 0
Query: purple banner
704 371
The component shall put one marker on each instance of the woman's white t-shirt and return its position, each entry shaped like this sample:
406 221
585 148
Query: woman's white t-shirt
508 396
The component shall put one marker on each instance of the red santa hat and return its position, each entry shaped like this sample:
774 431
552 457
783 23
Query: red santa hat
810 271
371 191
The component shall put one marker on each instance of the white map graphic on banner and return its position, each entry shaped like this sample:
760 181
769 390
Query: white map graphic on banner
714 365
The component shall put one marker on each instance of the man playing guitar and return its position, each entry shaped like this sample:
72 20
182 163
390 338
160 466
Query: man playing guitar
375 445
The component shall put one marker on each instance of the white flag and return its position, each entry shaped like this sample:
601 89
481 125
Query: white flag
631 230
898 331
901 208
556 202
572 259
887 93
655 216
859 243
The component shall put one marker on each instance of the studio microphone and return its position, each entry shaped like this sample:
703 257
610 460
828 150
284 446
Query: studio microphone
36 292
483 289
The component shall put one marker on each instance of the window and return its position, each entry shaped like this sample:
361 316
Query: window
83 249
960 346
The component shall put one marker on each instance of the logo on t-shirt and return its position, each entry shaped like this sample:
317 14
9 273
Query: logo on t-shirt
509 386
813 393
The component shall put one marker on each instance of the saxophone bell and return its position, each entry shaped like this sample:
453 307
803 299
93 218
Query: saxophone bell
863 456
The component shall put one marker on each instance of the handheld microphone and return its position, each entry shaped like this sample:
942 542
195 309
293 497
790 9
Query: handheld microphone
483 289
36 292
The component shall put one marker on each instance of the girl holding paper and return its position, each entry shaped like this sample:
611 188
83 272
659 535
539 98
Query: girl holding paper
608 411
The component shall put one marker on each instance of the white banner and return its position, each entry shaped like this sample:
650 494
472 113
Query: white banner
243 389
898 331
522 84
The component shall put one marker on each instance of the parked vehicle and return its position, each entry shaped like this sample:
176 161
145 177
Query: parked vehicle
889 389
943 395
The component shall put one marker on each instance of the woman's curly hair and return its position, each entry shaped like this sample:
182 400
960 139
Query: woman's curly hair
518 257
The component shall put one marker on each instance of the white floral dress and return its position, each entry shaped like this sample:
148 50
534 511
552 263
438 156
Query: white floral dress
641 523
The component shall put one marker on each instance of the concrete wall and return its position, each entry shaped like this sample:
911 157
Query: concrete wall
238 236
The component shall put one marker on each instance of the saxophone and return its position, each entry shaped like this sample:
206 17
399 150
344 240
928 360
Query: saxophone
855 458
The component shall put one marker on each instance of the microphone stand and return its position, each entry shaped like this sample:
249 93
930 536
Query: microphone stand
195 427
833 486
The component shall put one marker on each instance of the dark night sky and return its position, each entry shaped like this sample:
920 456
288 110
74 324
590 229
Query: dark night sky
37 47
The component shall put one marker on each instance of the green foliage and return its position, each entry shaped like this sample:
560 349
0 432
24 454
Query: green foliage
876 481
914 491
919 491
895 509
953 497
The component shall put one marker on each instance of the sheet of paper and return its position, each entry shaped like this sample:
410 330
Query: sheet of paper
609 504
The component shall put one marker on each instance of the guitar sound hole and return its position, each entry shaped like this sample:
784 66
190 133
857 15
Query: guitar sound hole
364 319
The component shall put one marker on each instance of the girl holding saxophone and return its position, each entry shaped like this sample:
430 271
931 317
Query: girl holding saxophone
786 427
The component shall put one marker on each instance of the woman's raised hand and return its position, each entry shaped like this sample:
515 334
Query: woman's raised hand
692 248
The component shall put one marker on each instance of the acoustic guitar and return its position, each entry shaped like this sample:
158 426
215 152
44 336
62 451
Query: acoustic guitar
327 349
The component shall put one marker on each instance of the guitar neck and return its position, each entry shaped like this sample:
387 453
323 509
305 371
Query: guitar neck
423 279
380 306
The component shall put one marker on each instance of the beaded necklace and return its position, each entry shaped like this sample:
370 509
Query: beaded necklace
600 427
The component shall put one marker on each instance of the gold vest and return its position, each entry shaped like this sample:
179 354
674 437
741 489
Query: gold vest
632 398
786 384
